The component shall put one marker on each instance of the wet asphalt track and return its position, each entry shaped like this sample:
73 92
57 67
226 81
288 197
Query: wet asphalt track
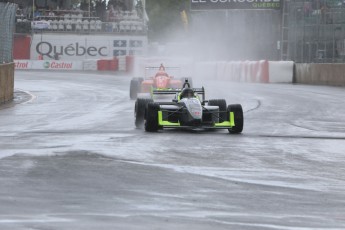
71 158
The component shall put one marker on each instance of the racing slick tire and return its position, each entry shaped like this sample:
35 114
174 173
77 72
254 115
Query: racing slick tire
221 103
238 117
151 124
139 111
134 88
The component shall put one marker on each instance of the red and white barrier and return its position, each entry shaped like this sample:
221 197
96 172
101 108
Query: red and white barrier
246 71
242 71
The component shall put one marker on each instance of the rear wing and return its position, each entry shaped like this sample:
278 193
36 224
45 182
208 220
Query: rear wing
157 68
172 91
153 69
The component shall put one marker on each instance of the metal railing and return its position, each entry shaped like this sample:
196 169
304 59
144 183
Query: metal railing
316 31
7 23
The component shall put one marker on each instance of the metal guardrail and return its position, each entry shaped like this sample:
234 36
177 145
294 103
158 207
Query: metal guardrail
7 23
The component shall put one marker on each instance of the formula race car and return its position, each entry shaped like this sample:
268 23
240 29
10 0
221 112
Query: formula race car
188 111
160 80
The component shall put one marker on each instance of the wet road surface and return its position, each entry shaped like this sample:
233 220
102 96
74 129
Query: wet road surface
71 158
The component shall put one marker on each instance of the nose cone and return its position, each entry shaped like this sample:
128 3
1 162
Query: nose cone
162 82
194 107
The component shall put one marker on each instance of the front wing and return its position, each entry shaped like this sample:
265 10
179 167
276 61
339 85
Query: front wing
221 125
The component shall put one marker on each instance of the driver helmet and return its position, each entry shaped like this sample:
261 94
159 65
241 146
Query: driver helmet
187 93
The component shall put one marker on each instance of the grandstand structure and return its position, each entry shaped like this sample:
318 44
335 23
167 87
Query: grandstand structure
125 22
313 31
79 33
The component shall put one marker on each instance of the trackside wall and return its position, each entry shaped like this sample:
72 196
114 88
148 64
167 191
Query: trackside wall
320 74
246 71
6 82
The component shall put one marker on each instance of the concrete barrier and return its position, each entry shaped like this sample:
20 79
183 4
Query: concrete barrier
6 82
243 71
320 74
281 71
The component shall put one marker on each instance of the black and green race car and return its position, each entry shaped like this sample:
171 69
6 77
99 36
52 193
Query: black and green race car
187 110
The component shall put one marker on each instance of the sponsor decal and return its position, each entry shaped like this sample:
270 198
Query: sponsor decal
235 4
75 49
58 65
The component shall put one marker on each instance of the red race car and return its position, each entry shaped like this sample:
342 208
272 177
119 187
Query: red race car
160 80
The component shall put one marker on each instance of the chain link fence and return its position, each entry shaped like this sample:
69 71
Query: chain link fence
316 31
7 25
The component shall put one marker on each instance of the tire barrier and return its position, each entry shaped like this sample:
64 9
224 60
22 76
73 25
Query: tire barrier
108 64
6 82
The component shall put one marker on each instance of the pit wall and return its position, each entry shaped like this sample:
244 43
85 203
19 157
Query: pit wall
6 82
320 74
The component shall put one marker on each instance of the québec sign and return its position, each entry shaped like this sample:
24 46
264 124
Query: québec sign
235 4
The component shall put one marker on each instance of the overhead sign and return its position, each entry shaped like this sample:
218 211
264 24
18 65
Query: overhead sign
236 4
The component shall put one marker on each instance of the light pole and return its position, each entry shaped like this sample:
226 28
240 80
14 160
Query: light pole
33 10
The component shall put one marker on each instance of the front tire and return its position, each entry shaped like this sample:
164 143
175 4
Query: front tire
134 88
221 103
151 124
139 111
238 116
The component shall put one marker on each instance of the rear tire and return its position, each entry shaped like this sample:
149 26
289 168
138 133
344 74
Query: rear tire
238 116
151 124
221 103
139 111
134 88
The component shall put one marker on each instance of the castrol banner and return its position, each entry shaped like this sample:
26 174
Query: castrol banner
48 65
23 64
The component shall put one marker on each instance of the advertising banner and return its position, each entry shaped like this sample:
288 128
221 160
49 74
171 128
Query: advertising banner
22 64
235 4
77 47
48 65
